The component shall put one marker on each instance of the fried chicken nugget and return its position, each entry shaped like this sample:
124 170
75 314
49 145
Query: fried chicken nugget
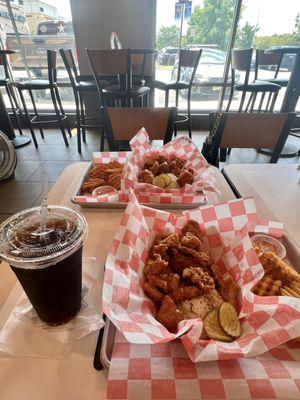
191 241
156 266
153 293
169 314
171 240
193 228
146 176
185 177
201 256
154 168
185 293
228 288
165 282
161 249
199 278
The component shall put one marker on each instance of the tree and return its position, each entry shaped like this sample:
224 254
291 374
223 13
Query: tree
211 23
285 39
245 36
167 36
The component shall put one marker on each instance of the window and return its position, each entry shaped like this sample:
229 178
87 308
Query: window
39 29
204 26
207 24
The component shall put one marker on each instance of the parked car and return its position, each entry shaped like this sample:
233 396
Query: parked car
167 56
210 71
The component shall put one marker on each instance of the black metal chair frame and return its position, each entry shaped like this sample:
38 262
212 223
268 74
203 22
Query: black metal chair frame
251 101
277 149
7 84
75 79
183 118
114 145
59 115
257 64
124 80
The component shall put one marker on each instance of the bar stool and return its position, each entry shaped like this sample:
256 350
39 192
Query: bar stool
115 64
39 84
138 61
6 82
187 65
264 58
80 87
241 61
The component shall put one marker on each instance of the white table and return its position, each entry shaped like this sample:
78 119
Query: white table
275 188
74 378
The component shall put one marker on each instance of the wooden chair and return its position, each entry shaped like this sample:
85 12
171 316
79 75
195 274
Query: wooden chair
188 59
241 61
121 124
251 130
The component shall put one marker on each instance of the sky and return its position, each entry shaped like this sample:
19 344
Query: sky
272 16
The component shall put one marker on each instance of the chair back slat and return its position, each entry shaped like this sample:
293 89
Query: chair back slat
188 58
241 59
122 124
69 62
52 65
265 58
109 62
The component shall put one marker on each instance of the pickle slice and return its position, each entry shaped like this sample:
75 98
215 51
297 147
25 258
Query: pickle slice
159 182
166 178
229 320
213 328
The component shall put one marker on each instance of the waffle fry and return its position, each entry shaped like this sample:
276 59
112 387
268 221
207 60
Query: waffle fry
92 184
278 268
287 291
114 180
103 175
115 165
267 286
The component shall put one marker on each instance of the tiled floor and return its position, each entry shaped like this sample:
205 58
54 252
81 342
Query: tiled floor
52 157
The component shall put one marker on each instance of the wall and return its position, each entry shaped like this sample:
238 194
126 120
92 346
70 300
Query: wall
94 20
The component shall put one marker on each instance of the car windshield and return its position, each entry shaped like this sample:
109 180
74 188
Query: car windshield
212 57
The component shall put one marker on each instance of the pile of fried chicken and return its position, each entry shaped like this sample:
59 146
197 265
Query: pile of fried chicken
179 269
166 172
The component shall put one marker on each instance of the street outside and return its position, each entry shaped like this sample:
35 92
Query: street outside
164 73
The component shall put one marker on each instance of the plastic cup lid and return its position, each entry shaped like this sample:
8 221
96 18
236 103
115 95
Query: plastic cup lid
24 245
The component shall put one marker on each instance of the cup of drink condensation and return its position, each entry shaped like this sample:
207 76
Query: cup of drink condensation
48 261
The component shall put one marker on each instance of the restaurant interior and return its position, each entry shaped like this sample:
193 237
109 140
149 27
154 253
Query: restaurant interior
149 199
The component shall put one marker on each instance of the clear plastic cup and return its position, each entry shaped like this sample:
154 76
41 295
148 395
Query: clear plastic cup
47 264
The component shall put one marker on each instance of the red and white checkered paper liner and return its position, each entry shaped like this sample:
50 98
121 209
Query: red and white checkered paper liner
266 321
182 147
144 197
164 371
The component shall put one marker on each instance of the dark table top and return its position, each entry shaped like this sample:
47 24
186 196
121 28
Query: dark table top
284 50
